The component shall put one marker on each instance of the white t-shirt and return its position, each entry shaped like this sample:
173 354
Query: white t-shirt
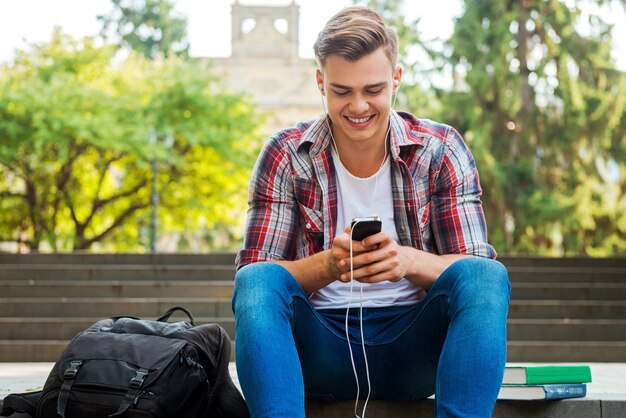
359 197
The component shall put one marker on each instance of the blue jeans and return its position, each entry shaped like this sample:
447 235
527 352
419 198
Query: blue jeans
452 344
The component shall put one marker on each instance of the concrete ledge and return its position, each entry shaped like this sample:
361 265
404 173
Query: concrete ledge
568 408
606 397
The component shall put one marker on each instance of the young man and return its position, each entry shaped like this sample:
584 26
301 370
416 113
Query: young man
434 300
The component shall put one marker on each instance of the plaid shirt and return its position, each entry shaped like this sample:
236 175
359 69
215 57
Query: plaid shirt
436 193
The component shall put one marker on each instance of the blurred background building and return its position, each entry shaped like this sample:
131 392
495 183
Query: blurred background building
265 63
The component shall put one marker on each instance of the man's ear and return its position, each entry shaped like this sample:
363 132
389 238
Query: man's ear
397 78
320 81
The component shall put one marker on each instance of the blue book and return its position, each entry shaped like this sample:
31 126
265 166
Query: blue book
554 391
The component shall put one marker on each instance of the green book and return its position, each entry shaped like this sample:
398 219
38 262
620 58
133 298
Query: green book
542 375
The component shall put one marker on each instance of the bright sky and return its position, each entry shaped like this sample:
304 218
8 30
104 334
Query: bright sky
27 21
209 24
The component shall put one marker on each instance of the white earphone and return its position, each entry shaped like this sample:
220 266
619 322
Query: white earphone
396 84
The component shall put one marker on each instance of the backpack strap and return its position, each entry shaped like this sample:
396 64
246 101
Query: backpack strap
133 391
68 381
170 311
20 402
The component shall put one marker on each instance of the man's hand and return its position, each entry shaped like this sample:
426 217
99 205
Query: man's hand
375 259
340 254
379 257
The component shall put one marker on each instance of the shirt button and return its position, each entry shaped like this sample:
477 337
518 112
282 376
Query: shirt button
308 226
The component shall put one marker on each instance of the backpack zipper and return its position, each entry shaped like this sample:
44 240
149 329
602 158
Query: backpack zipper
141 395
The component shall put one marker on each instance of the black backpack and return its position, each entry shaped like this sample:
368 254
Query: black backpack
128 367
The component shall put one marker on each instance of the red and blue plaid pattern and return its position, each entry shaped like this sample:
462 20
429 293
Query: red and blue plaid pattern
436 193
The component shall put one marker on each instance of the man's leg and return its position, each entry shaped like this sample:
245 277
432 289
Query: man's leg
406 347
267 361
282 340
453 343
472 361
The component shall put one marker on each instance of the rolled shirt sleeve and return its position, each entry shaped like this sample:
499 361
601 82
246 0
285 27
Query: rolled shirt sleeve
457 218
272 210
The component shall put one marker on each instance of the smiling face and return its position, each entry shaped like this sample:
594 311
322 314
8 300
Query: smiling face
358 96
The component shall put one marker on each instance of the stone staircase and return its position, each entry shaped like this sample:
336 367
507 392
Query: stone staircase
562 310
567 309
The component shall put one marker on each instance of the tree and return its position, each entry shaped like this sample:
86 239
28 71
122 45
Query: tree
150 27
542 107
75 155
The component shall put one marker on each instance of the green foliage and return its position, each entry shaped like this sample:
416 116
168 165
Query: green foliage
533 91
78 134
542 107
149 27
538 99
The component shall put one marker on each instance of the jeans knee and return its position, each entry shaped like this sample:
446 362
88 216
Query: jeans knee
259 285
498 277
483 280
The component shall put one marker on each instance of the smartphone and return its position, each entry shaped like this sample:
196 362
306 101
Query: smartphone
364 227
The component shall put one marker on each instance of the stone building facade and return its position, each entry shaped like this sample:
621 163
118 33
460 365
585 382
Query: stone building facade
265 63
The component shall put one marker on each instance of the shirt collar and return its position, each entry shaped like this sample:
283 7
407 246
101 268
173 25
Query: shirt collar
317 136
401 135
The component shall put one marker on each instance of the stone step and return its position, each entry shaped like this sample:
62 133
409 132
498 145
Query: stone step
566 329
229 259
221 307
567 274
37 328
116 272
227 272
581 261
587 407
34 351
567 351
226 258
569 291
517 351
573 309
152 307
570 408
105 307
46 328
31 350
224 288
605 397
116 288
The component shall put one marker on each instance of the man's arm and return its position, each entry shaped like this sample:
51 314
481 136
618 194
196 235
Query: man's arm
312 272
274 218
323 268
423 267
456 213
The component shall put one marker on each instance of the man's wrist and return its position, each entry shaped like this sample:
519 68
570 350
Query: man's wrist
313 272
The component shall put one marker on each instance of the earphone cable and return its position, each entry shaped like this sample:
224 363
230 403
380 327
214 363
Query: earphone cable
356 375
367 372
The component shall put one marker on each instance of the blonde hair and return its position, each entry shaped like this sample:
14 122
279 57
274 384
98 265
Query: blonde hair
353 33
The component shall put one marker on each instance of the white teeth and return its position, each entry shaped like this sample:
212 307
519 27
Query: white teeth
358 120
